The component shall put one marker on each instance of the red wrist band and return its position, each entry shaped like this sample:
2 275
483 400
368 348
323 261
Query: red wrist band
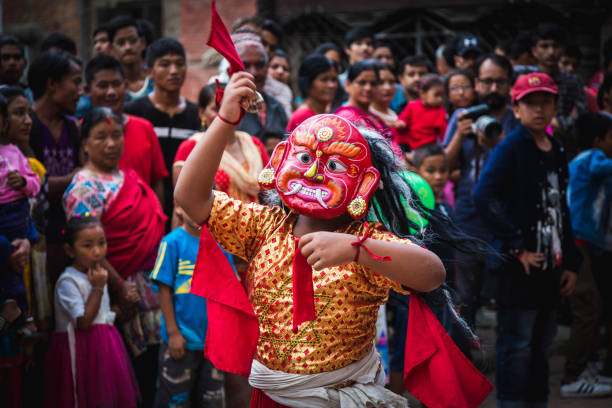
360 243
227 121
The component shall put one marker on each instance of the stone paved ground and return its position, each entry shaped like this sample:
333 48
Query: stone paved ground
556 371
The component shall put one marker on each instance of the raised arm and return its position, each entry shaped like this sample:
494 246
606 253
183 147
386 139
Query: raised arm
193 190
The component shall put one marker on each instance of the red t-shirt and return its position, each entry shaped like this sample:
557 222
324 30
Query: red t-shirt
424 125
141 151
298 117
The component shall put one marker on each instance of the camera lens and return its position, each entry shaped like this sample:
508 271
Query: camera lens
489 126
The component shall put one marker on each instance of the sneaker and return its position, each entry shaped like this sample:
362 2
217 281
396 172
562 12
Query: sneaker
603 379
596 377
583 388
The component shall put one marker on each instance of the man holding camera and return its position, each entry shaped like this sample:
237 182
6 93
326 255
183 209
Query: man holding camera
471 135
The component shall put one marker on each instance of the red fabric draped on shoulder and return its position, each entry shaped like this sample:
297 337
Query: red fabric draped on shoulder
134 225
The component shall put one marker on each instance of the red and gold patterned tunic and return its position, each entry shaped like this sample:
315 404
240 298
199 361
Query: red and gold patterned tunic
346 297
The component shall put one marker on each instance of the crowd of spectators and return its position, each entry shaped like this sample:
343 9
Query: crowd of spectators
512 145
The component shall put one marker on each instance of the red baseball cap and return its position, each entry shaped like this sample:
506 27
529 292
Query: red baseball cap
534 82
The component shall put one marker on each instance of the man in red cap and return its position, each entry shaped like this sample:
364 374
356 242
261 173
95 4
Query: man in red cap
521 194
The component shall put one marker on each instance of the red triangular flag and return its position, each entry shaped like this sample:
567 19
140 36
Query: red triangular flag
435 370
303 292
233 329
221 41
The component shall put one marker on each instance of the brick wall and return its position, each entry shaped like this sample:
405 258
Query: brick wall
32 20
186 20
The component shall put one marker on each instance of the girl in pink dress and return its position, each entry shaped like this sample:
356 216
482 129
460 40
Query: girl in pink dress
87 363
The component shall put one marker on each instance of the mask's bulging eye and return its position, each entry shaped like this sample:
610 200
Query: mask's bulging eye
336 166
304 157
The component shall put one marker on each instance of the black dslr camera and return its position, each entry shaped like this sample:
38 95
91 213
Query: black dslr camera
483 121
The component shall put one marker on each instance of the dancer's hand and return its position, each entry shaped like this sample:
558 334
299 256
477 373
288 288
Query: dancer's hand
240 86
324 249
176 345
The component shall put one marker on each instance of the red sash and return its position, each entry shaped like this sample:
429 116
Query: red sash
435 370
134 224
233 328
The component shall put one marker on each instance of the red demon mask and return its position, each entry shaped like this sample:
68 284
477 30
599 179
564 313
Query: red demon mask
323 170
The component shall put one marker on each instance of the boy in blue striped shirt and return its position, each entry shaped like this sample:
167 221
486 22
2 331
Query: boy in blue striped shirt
184 374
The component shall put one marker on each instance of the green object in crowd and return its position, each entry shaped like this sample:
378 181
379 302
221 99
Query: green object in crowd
424 193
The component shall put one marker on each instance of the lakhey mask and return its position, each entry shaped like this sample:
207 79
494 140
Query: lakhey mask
323 170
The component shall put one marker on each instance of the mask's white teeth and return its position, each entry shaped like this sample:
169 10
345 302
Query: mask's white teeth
296 187
319 196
